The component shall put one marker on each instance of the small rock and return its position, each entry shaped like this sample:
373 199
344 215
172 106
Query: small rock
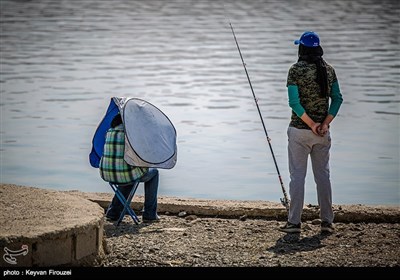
307 227
191 217
356 229
243 218
182 214
316 222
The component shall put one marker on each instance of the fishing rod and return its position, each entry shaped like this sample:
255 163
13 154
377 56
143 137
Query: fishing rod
285 200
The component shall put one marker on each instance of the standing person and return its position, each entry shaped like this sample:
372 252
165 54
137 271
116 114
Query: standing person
114 169
311 82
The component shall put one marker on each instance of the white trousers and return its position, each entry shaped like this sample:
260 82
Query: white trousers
303 143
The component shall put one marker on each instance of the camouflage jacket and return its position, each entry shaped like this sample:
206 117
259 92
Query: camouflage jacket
303 75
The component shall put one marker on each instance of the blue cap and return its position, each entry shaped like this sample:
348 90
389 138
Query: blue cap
308 39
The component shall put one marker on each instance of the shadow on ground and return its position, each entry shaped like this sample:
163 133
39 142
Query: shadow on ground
292 242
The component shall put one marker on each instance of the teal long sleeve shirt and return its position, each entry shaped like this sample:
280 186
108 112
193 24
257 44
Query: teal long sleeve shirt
336 100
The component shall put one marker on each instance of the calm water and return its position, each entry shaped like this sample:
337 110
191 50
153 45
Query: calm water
62 61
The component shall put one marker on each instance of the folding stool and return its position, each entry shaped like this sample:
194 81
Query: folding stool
126 202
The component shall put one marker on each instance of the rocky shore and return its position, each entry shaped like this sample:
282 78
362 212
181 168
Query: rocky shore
68 229
201 241
200 233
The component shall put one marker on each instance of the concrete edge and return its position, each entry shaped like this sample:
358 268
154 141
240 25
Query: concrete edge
253 209
76 244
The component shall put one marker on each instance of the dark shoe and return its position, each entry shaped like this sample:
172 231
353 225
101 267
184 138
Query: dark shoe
327 227
291 228
112 214
112 218
146 220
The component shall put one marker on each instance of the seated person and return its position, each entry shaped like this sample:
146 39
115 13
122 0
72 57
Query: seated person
114 169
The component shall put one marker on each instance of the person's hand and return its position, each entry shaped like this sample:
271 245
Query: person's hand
315 128
323 130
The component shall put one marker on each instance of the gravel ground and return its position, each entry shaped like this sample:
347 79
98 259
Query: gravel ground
191 241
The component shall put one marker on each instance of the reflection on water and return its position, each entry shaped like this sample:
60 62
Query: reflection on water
62 61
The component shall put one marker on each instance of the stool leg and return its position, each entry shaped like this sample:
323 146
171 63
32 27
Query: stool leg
127 205
126 202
